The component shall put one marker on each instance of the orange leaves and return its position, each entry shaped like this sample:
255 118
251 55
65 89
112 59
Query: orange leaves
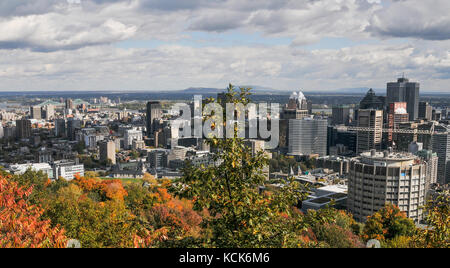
114 190
20 223
111 189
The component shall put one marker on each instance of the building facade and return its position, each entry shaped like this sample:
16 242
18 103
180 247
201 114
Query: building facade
308 136
379 178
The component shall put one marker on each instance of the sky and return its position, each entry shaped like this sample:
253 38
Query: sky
161 45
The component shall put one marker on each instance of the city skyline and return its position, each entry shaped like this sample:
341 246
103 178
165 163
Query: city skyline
122 45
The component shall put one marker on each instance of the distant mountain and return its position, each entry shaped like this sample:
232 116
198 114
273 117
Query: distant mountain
255 89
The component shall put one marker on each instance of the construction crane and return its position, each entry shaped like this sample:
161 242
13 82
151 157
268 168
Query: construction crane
402 131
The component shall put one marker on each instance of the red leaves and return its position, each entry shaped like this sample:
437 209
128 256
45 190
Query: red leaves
20 223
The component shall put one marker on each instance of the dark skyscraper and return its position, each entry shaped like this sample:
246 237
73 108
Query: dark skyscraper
425 110
341 115
154 111
372 101
72 126
23 129
405 91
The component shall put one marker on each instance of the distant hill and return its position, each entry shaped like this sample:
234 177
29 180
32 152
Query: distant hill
255 89
360 90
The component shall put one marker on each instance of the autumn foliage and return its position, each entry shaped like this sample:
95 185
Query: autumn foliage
21 225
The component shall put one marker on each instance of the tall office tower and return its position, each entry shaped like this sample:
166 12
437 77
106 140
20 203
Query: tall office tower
372 101
441 146
49 112
341 115
2 133
23 129
425 111
297 107
36 112
60 128
72 126
340 135
397 115
154 112
431 159
308 136
378 178
405 91
370 137
108 151
69 104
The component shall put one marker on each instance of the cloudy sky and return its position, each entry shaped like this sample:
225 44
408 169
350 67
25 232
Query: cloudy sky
175 44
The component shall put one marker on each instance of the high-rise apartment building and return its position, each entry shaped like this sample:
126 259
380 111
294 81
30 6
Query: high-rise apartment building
108 151
154 112
405 91
371 133
308 136
379 178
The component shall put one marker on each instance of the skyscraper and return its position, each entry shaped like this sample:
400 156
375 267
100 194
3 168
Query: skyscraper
60 128
23 129
371 134
49 112
154 111
405 91
72 126
378 178
397 115
425 111
341 115
36 112
372 101
308 136
69 104
441 146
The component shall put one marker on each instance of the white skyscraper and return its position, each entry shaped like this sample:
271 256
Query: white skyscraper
308 136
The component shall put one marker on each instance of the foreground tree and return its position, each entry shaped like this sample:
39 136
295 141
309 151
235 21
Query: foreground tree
387 224
240 215
437 233
21 225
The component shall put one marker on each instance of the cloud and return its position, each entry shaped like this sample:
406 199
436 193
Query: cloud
428 20
176 67
54 31
49 44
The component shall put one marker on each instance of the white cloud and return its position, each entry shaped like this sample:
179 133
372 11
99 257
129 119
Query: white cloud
171 67
68 44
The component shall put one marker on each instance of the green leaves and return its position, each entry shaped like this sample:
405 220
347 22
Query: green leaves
241 216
